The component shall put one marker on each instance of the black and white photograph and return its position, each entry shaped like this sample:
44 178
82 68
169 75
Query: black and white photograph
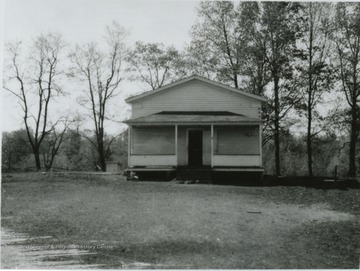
180 134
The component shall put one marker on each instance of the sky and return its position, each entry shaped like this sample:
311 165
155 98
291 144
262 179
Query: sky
80 21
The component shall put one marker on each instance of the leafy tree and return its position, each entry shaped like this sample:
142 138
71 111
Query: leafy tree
154 64
253 43
101 73
280 28
33 79
198 61
73 146
315 74
15 148
328 153
216 40
252 46
346 36
228 45
119 150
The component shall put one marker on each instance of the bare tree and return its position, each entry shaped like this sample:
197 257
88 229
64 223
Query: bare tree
52 144
100 71
33 80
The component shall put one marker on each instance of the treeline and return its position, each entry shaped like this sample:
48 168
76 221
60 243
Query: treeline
76 153
304 57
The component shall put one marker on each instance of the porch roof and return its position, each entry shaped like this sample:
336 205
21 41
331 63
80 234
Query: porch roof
223 117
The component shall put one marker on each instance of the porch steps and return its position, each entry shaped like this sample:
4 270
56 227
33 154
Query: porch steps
203 175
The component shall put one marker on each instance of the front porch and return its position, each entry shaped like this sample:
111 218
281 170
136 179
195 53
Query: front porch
198 142
195 146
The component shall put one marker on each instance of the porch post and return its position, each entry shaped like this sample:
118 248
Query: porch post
212 145
129 147
260 139
176 143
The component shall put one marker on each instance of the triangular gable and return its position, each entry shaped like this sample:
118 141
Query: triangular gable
195 77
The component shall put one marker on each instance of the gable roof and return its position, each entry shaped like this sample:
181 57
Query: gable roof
199 78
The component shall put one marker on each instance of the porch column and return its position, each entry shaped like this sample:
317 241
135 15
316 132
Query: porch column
176 143
129 147
260 139
212 145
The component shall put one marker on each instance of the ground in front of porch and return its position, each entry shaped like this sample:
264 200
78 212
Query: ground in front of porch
168 225
208 175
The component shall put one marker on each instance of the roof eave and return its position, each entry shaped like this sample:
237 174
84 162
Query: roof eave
147 93
196 123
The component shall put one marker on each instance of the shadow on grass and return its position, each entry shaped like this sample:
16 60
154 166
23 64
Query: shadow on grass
256 180
325 183
339 239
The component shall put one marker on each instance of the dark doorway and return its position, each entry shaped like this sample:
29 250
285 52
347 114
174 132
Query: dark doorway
195 149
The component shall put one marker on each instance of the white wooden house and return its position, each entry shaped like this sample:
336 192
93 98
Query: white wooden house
195 123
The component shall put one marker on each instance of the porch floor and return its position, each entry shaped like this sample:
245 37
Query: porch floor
195 168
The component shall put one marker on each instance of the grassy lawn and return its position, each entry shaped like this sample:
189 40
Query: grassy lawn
172 225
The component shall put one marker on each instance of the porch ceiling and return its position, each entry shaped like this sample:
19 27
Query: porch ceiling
194 118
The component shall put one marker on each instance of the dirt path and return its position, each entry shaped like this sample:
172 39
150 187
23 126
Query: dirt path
14 254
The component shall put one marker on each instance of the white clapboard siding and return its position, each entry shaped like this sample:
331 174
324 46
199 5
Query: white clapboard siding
237 160
237 140
153 160
153 140
206 147
182 148
196 96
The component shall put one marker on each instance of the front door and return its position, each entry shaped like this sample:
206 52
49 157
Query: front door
195 151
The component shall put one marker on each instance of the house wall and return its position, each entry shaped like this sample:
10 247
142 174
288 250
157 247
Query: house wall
153 140
233 146
182 146
237 160
207 147
196 96
237 140
152 160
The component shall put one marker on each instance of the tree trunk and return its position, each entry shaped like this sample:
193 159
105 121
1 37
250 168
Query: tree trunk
310 93
102 158
236 80
49 164
354 117
308 143
37 158
277 128
101 151
353 139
